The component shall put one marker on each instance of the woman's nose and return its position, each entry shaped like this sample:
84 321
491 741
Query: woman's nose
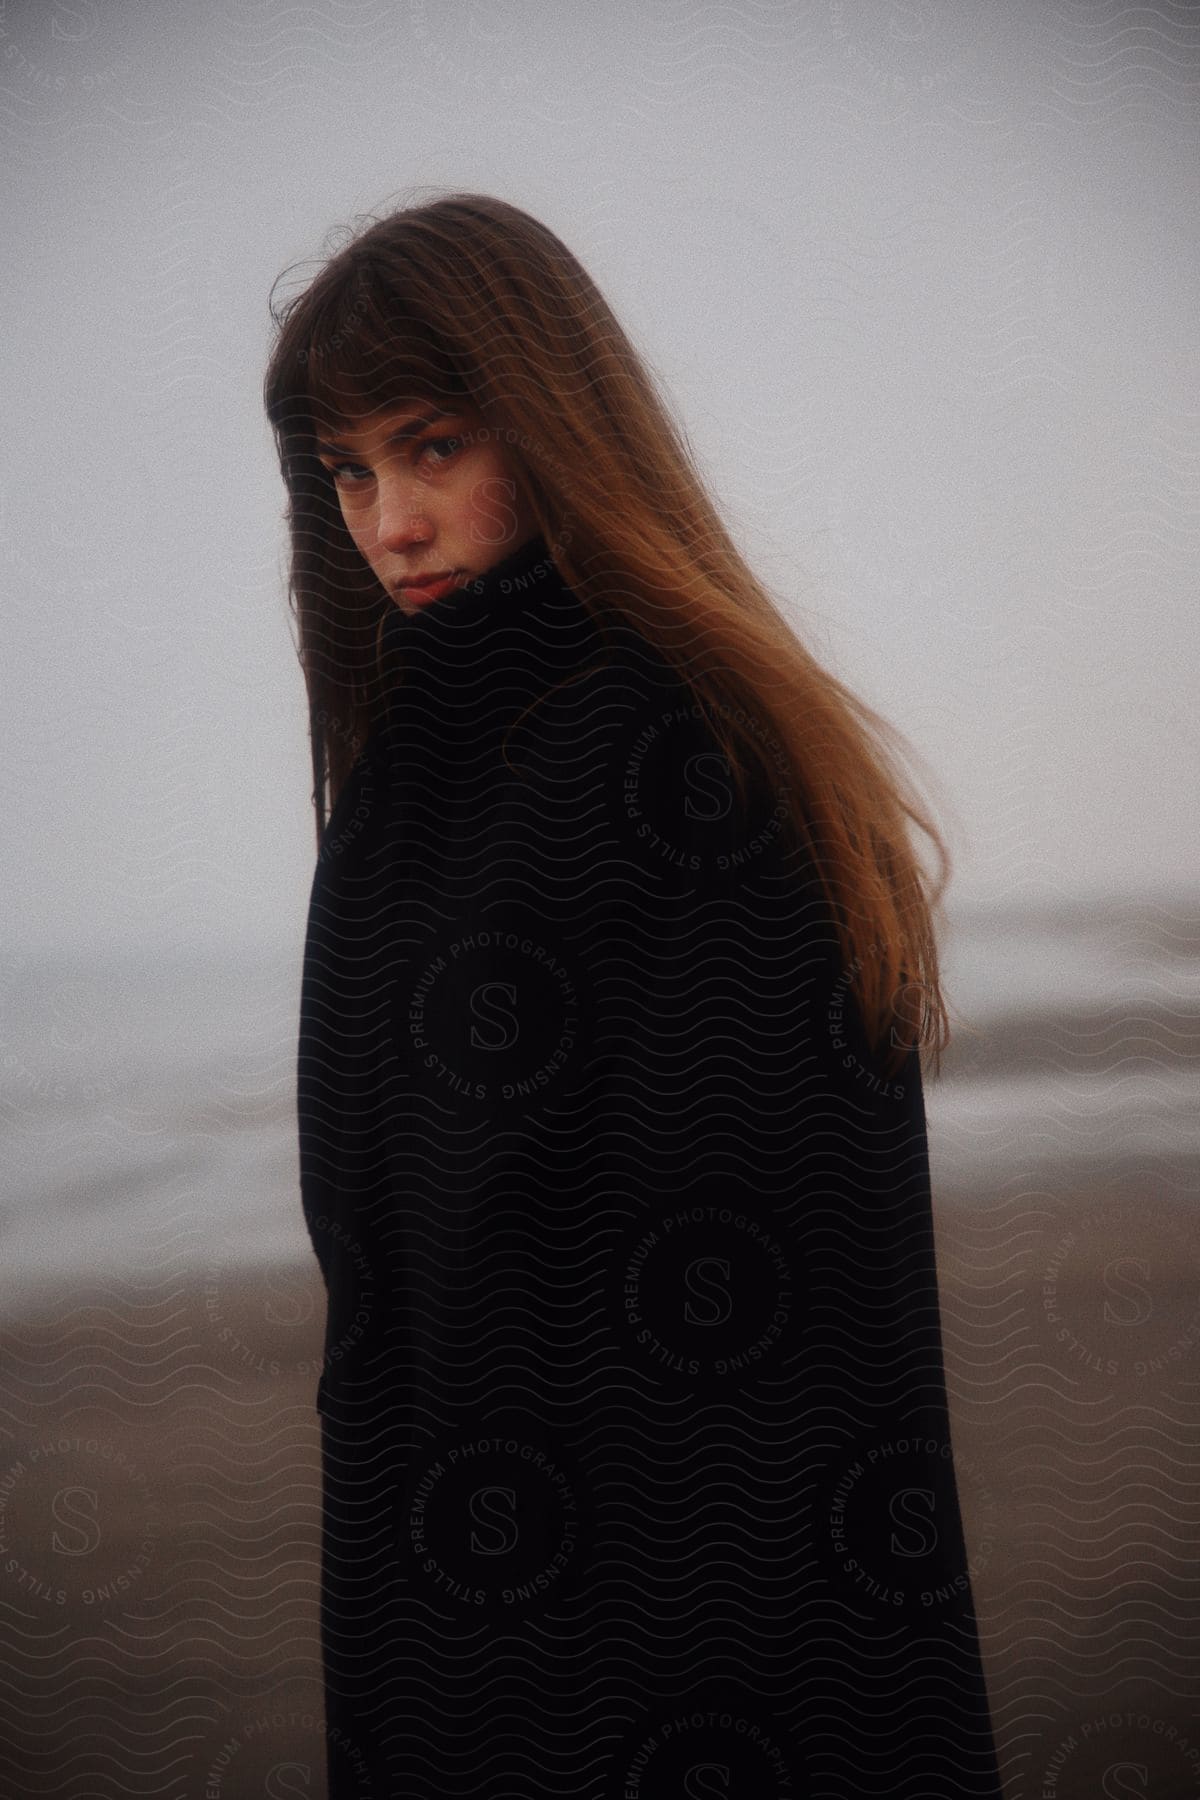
403 513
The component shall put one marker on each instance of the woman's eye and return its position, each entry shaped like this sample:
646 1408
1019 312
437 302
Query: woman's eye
441 444
347 474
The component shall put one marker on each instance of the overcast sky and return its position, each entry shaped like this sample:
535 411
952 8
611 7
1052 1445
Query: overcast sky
919 279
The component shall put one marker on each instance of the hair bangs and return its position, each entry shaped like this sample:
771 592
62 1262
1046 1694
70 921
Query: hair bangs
367 351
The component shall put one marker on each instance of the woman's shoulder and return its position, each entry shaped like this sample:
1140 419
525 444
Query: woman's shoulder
695 790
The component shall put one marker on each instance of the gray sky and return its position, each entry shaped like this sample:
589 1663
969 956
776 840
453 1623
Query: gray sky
920 281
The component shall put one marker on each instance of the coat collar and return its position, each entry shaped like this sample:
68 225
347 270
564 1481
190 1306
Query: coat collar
470 663
524 589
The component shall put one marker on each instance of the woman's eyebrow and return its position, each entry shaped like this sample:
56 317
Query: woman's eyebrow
395 437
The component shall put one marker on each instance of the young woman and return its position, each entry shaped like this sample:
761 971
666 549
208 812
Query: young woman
619 970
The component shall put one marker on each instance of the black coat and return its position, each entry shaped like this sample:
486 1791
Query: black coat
637 1471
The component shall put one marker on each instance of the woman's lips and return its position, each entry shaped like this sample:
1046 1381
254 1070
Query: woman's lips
430 590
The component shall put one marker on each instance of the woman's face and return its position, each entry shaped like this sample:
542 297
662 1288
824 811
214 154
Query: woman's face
425 489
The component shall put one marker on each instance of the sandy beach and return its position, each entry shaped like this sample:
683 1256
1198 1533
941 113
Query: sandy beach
160 1511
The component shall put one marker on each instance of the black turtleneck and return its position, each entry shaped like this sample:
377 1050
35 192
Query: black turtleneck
467 664
509 670
519 582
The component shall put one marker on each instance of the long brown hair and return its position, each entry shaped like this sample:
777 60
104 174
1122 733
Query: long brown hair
469 296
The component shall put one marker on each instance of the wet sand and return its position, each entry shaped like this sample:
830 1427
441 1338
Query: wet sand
160 1508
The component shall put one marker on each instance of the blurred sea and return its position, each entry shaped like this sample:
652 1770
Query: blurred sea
147 1103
